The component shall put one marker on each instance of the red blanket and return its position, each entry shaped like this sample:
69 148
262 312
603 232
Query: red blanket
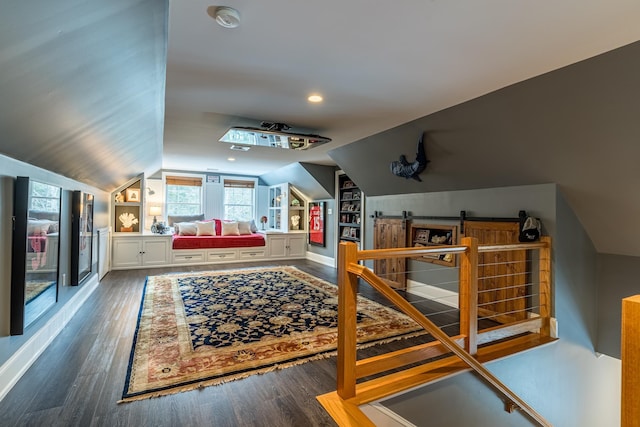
208 242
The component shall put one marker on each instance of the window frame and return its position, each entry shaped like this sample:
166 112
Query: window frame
202 179
254 202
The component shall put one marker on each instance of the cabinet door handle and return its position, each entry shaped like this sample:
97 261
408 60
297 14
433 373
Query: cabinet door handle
188 257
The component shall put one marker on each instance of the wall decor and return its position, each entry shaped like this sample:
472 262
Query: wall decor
36 246
81 236
404 169
316 223
132 194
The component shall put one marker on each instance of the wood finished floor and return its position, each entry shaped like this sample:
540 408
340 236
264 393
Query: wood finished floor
79 378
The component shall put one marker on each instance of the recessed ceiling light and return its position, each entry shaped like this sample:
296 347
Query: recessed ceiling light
231 159
227 17
315 98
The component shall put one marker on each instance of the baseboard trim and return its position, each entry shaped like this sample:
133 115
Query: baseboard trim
321 259
14 368
443 296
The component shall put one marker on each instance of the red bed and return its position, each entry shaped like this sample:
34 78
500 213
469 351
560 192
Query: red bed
217 242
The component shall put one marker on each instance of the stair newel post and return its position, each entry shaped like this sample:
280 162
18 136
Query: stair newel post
544 261
347 306
468 297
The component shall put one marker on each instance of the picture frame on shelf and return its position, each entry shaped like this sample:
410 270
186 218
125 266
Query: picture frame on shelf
347 195
345 206
346 232
132 195
348 184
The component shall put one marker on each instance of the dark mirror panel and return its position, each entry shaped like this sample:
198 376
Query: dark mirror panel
34 281
81 236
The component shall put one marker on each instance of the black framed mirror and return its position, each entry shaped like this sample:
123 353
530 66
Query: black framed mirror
81 236
35 255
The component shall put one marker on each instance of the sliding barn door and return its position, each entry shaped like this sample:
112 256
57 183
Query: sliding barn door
502 276
390 233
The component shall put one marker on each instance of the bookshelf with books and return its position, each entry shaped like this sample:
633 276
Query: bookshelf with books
351 203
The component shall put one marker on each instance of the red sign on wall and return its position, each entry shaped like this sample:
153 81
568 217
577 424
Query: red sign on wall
316 223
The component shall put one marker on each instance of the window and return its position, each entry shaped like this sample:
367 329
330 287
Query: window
184 195
44 197
239 199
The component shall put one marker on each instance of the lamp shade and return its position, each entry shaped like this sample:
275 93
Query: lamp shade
155 210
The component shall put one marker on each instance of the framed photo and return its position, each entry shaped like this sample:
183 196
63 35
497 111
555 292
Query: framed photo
316 223
132 195
346 232
347 195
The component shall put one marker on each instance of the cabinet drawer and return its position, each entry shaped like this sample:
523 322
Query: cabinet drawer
254 253
213 256
188 257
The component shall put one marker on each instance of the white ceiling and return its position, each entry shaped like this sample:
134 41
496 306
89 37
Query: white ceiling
377 66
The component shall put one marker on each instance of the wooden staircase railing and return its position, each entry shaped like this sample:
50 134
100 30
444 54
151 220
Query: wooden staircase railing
467 355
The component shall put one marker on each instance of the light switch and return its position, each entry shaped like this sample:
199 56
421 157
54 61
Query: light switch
329 211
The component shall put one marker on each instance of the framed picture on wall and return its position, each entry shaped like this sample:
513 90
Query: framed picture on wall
132 195
316 224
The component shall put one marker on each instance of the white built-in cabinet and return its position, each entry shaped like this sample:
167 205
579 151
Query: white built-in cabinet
287 209
287 245
140 250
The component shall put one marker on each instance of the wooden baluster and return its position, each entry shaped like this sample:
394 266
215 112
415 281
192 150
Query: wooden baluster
630 415
468 297
347 306
544 260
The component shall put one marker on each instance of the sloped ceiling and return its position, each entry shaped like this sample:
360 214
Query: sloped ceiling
82 86
577 127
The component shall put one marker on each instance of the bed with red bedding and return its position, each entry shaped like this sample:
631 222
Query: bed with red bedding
218 242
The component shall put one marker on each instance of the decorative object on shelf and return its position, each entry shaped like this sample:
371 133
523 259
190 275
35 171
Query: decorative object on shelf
295 222
435 235
530 231
119 198
295 202
404 169
263 220
159 227
128 220
132 194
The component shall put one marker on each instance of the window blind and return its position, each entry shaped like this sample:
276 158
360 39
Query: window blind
186 181
236 183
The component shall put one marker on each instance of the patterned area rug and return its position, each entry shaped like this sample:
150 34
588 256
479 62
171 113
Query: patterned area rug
206 328
35 288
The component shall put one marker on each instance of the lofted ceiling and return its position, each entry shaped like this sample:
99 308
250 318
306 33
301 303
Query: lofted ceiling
101 91
376 65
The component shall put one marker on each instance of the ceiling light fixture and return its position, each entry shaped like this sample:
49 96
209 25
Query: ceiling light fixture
227 17
315 98
231 159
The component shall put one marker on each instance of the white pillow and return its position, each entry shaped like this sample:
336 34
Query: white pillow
244 227
187 229
206 228
230 229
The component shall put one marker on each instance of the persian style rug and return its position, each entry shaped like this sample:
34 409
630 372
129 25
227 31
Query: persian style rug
206 328
35 288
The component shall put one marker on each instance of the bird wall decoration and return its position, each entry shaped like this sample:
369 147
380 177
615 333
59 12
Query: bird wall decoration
404 169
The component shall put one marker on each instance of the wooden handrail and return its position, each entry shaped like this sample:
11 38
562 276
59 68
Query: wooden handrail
465 347
366 274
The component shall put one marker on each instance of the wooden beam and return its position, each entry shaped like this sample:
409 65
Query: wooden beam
347 320
544 261
630 416
469 294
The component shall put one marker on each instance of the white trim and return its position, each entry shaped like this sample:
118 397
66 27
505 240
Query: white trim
382 416
14 368
443 296
321 259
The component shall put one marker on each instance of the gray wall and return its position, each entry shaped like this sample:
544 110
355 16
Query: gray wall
566 382
576 127
537 200
10 169
618 278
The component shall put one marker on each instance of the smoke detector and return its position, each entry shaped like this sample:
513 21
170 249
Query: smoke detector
227 17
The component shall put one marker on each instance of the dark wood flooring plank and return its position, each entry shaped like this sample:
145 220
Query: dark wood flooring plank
79 379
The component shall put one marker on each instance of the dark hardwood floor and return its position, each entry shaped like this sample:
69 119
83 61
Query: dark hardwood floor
78 380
